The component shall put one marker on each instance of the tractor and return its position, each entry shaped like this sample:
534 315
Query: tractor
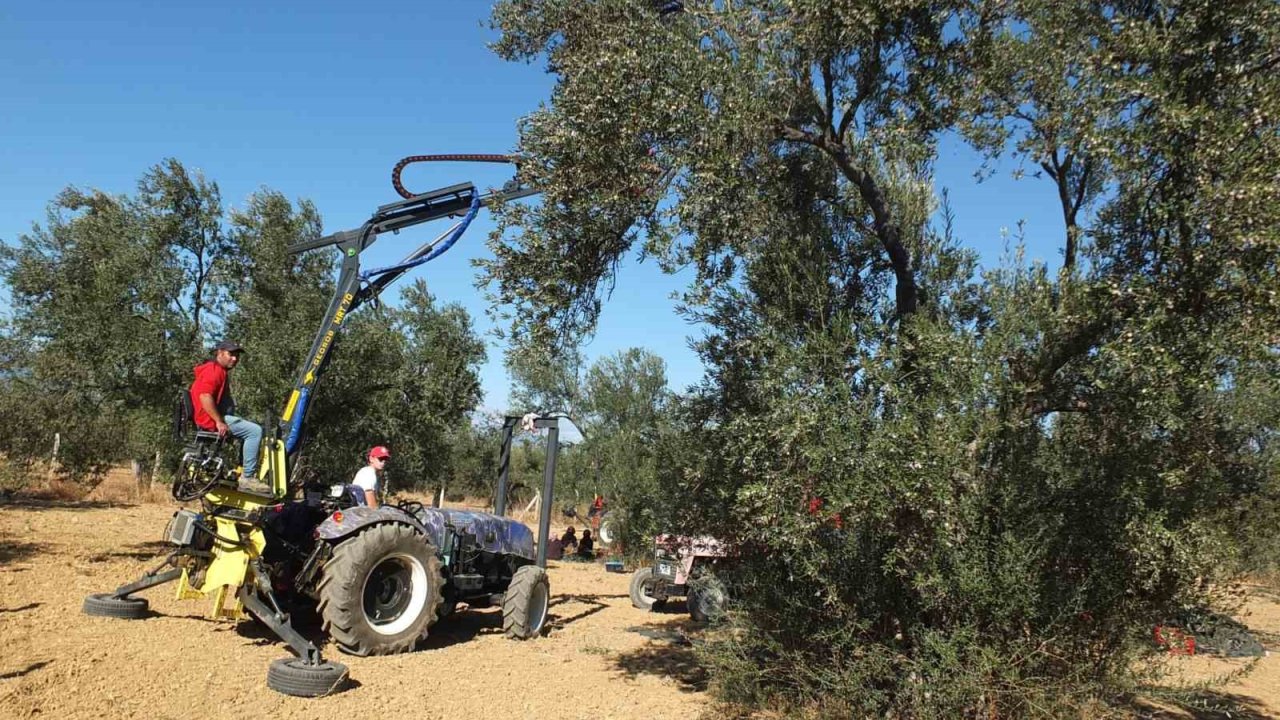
378 577
682 566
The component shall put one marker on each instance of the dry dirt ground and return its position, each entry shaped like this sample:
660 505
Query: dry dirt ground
601 658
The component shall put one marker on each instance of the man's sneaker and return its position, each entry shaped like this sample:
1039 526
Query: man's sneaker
254 485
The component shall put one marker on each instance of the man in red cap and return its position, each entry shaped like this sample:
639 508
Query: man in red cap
368 478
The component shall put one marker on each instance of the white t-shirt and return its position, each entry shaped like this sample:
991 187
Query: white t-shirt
366 479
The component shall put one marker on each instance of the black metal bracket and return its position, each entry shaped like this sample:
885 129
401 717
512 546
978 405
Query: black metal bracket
552 426
149 580
279 624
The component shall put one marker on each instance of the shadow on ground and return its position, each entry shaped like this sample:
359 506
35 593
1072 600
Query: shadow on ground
153 550
594 602
675 661
11 550
1202 705
470 623
28 669
32 503
462 626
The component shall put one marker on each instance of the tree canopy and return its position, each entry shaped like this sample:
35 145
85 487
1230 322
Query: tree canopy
116 298
958 490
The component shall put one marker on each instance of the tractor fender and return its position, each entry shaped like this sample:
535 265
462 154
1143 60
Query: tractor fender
351 520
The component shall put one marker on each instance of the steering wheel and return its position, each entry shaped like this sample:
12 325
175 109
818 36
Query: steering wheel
194 484
411 507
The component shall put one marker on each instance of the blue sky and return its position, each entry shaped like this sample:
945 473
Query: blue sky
319 100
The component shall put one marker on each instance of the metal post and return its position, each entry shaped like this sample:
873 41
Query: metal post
548 484
504 466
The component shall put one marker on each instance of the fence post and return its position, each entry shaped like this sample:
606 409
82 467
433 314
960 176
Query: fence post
537 500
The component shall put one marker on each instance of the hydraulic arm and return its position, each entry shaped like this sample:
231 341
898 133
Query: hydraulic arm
356 287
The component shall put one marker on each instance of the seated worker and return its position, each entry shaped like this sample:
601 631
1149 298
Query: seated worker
569 539
586 546
368 478
211 398
555 549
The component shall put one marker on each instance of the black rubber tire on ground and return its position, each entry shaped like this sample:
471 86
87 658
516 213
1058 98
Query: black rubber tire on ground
293 677
525 604
108 605
642 582
706 600
381 590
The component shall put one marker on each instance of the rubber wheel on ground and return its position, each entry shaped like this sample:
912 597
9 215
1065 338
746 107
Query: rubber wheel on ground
108 605
706 600
525 604
642 583
293 677
381 590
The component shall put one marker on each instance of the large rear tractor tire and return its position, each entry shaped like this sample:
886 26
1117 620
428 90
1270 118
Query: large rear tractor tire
108 605
381 590
293 677
642 584
706 599
525 604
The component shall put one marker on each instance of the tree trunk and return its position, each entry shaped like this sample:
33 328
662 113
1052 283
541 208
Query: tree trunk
155 470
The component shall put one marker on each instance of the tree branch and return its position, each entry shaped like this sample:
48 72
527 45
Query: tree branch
907 292
868 74
828 87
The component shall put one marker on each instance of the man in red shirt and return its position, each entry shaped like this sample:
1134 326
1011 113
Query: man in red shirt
211 398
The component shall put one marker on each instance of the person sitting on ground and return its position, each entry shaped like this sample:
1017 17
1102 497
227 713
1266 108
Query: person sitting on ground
368 478
214 410
587 546
569 539
555 549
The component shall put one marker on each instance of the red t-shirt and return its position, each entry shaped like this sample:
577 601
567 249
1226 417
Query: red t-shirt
211 378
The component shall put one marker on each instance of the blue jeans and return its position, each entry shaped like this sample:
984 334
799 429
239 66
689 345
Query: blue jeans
250 433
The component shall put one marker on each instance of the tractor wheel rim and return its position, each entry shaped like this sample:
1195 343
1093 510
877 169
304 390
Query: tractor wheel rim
394 594
538 603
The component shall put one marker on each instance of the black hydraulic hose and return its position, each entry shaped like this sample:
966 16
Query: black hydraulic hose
234 543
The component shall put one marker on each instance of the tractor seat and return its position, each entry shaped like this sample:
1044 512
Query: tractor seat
204 436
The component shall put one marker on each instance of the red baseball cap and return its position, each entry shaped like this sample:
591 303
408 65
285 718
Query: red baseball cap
379 452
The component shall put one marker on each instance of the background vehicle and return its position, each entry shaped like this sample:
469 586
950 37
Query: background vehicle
683 566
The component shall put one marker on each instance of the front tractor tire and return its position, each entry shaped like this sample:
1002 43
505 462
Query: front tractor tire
641 591
525 604
381 590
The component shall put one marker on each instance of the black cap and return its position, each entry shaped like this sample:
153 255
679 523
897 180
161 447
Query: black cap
229 346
